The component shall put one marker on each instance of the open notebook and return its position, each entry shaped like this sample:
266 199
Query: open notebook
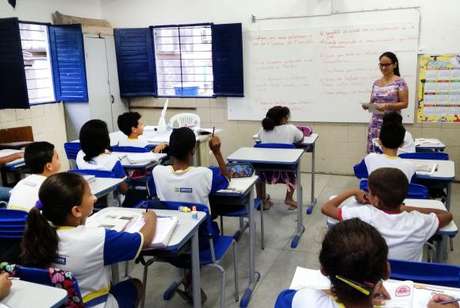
403 293
427 168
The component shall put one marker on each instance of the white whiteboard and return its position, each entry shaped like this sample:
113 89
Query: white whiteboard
322 74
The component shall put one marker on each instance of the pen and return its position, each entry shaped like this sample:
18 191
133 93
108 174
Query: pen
213 130
449 301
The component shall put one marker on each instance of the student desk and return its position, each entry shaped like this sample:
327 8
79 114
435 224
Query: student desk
26 294
186 229
445 174
152 159
309 146
17 166
450 230
103 186
243 189
429 144
276 159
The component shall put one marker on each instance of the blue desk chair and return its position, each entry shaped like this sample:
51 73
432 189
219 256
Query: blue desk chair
416 191
130 149
71 150
12 226
429 273
211 253
360 170
50 277
117 172
426 155
284 299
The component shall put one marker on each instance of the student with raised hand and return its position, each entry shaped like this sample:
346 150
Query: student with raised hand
276 129
42 160
404 227
5 191
56 236
391 138
354 256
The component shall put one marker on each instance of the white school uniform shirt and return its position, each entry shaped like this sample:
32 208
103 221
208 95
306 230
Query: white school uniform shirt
102 162
24 195
88 252
286 133
405 232
408 144
138 142
192 185
376 161
314 298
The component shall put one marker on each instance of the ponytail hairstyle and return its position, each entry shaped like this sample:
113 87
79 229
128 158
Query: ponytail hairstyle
94 138
274 117
57 195
354 253
393 59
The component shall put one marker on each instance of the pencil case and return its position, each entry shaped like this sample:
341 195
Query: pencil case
240 170
306 130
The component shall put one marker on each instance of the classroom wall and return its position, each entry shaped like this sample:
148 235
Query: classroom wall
340 145
47 121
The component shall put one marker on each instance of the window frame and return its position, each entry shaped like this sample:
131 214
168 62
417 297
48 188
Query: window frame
152 28
47 24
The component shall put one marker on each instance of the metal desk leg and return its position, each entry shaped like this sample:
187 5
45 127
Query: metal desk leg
449 195
300 228
196 271
312 204
253 275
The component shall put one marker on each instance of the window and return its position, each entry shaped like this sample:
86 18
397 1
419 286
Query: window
183 57
37 64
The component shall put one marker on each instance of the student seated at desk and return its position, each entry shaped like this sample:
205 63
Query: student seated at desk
354 256
56 236
276 129
5 285
131 125
391 138
42 160
405 228
5 191
395 118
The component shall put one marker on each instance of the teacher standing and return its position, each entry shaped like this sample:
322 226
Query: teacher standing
389 93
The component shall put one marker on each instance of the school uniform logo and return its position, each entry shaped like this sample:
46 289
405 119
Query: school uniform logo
61 260
186 190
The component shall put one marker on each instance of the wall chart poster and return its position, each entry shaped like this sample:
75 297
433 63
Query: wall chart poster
438 90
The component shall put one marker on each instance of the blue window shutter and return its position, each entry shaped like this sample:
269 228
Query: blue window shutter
227 60
13 86
68 61
136 62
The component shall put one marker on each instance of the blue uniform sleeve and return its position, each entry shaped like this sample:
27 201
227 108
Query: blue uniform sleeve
121 246
118 170
285 298
218 180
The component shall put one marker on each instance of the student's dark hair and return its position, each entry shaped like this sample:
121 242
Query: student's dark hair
58 194
181 142
392 117
274 116
393 59
127 121
390 185
37 155
392 135
94 138
356 251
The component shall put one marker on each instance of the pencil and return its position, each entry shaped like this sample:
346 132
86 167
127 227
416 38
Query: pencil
213 130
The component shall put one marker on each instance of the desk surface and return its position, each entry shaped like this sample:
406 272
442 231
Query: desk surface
16 162
265 155
101 186
429 143
183 231
238 187
445 171
26 294
307 140
139 160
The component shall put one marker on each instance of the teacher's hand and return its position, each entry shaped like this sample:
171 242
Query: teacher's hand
365 107
381 107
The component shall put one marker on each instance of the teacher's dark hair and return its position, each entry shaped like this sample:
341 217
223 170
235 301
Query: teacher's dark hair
274 117
393 59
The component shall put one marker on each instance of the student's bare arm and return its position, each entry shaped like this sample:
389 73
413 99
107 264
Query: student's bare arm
149 228
331 207
214 145
11 157
444 217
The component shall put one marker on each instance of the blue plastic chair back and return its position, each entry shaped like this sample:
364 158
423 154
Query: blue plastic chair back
117 172
429 273
360 170
415 191
129 149
285 298
275 145
12 224
71 149
426 155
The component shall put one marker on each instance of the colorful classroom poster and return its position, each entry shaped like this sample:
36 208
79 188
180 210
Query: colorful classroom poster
438 91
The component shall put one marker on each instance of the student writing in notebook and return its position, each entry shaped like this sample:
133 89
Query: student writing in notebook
42 160
404 227
391 138
276 129
56 236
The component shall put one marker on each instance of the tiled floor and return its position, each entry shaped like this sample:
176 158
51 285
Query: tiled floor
278 261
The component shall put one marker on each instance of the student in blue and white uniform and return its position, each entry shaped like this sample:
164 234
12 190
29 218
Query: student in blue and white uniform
42 160
391 138
132 127
408 145
56 236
